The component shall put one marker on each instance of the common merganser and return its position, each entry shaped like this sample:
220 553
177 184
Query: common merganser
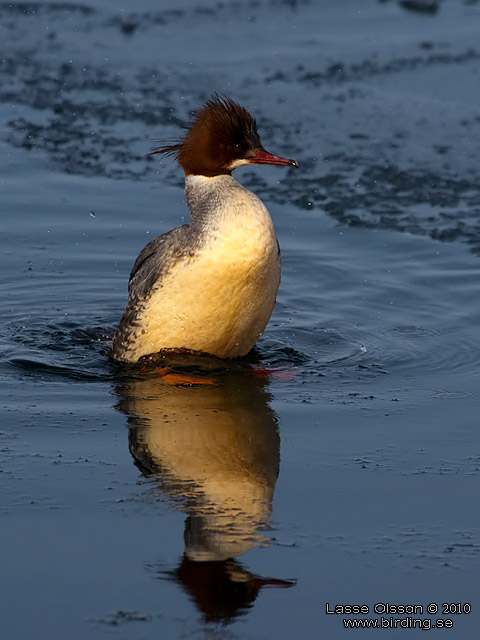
208 286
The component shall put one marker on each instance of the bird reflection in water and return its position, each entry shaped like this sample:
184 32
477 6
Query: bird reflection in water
208 439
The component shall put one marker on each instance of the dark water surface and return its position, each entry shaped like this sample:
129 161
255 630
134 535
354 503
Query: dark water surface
338 463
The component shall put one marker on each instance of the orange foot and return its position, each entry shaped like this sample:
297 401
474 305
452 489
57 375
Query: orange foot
282 375
177 379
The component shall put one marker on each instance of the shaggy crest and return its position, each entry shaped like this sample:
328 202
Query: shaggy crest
222 134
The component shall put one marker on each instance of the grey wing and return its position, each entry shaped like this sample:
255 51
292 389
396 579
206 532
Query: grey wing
156 259
151 266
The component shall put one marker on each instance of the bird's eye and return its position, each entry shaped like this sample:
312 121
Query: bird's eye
237 146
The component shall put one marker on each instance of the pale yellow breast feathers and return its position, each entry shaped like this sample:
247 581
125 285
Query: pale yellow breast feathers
220 300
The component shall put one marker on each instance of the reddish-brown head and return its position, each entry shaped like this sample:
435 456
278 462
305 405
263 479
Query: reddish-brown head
223 136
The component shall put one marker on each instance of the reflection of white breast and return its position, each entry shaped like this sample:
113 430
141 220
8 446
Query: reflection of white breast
220 298
218 447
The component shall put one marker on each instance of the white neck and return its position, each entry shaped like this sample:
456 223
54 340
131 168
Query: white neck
220 199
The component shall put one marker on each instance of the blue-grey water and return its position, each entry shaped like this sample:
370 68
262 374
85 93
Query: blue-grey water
339 463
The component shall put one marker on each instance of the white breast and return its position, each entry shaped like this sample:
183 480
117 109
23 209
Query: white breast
219 300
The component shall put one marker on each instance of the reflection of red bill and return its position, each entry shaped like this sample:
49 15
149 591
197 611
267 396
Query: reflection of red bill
273 582
282 375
